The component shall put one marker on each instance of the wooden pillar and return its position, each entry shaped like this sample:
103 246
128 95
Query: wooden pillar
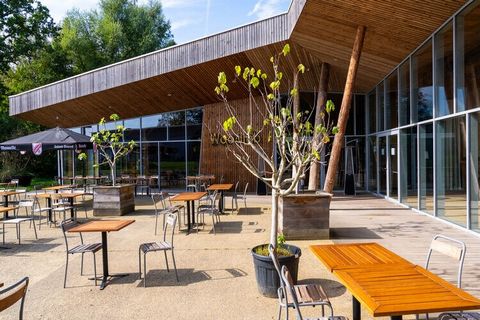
321 101
344 110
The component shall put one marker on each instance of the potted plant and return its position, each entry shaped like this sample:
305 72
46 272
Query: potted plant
114 199
288 128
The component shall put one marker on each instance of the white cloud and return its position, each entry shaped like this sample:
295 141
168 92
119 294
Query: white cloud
178 24
179 3
266 8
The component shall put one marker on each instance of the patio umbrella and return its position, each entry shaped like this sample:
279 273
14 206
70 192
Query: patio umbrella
52 139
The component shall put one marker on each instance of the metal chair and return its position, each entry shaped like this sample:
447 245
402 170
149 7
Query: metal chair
81 248
241 197
159 207
13 294
164 245
459 316
295 293
175 208
17 222
234 196
210 209
312 294
61 206
37 209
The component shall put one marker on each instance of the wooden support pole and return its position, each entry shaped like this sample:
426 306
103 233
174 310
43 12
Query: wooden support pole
321 101
344 110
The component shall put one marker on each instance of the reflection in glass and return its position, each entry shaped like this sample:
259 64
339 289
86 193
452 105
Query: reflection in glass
474 161
194 124
67 163
150 159
391 101
132 130
422 84
130 164
380 107
383 153
451 170
360 114
425 158
467 42
408 167
393 169
404 88
372 112
193 153
444 70
154 128
372 164
172 165
176 125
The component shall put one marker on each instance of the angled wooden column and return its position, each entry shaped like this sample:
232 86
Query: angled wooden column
321 101
344 110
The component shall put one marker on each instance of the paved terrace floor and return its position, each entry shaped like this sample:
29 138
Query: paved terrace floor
217 279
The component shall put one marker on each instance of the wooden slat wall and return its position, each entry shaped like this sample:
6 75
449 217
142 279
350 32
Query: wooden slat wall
215 159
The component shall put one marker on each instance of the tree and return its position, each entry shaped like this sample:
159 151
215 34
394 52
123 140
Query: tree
291 130
119 30
25 27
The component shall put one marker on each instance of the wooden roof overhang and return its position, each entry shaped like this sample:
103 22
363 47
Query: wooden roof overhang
184 76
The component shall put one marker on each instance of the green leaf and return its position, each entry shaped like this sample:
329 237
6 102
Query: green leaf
259 73
114 117
82 156
222 78
228 124
326 139
270 96
293 92
275 85
271 59
217 90
335 130
246 72
301 68
223 87
329 106
279 75
102 121
252 72
286 49
238 70
249 129
266 122
254 82
264 76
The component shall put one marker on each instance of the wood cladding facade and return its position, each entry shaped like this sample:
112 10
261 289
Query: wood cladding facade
215 158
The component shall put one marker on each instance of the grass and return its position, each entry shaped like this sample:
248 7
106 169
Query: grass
41 183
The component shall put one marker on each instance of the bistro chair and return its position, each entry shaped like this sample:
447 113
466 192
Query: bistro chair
61 206
234 196
81 248
295 292
241 197
310 295
37 209
159 207
18 222
164 245
11 295
209 209
175 208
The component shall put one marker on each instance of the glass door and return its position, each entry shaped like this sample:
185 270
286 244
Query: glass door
382 161
388 165
393 166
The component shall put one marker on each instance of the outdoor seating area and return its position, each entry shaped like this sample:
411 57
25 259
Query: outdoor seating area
214 263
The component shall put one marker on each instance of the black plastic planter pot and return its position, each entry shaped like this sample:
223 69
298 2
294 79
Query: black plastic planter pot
267 277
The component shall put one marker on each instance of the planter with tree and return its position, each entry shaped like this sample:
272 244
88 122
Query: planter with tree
115 199
290 130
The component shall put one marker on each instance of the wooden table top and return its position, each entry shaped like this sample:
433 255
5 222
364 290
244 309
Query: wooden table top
9 193
59 187
203 177
404 289
188 196
221 186
71 194
353 255
6 209
102 226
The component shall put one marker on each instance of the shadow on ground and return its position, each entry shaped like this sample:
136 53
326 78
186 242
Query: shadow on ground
353 233
332 288
163 278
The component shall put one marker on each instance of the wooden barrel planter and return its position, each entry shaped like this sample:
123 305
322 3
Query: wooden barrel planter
305 216
113 200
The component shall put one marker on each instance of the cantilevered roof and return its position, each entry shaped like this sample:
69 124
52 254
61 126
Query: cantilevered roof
184 76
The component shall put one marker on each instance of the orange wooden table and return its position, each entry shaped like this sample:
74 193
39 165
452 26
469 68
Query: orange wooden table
388 285
56 188
5 210
104 226
7 194
189 198
221 187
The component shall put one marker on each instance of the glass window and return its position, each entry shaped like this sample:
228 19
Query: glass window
194 124
172 165
474 171
193 153
382 161
425 158
393 169
132 130
422 84
154 128
176 125
391 103
451 170
404 88
372 164
67 163
130 164
408 167
372 112
444 70
150 159
88 131
380 107
360 114
467 42
85 167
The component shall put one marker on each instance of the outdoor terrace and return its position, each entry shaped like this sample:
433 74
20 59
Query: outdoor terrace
217 279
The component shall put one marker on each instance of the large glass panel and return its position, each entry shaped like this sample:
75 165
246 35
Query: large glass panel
130 164
372 164
393 169
425 157
193 155
176 125
380 107
358 151
422 83
383 153
154 128
360 114
404 88
391 101
451 170
172 165
408 167
194 124
68 163
444 70
150 159
467 42
372 112
474 161
84 167
132 130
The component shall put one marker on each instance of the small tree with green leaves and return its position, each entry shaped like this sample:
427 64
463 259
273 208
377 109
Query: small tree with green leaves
283 121
110 144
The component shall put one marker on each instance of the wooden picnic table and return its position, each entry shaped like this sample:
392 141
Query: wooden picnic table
221 187
57 188
67 195
7 194
388 285
5 210
104 226
189 198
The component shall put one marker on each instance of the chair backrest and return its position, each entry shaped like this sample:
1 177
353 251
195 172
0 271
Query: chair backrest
27 204
236 188
191 187
450 247
170 221
157 198
9 296
245 191
67 225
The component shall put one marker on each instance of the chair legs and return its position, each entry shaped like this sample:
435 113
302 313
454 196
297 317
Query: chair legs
145 265
81 269
174 265
65 277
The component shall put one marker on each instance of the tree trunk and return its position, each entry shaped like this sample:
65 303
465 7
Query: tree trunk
295 111
112 169
344 110
273 232
321 100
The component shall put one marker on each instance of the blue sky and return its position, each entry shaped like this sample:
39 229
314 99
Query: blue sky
192 19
